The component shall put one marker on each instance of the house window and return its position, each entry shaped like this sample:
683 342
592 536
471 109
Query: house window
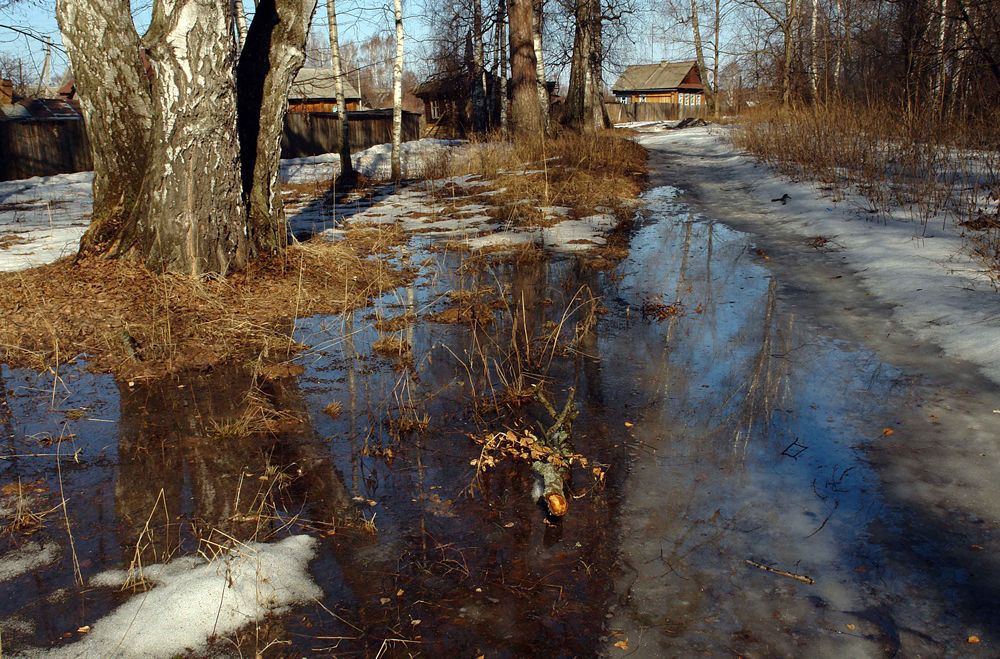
435 110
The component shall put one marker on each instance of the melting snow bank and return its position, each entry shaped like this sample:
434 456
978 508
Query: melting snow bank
43 218
194 600
938 291
373 162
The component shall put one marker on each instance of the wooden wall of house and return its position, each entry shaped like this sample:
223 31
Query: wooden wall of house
653 111
328 106
59 146
43 147
313 134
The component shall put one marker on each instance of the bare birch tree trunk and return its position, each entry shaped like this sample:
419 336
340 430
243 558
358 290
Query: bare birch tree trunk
273 54
397 94
346 165
502 51
178 183
838 55
813 52
536 39
939 74
526 116
241 24
478 77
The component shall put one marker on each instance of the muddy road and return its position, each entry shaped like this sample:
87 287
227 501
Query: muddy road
784 471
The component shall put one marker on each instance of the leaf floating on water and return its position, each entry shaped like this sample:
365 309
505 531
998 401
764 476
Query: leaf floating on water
384 600
629 424
851 626
972 639
887 431
622 644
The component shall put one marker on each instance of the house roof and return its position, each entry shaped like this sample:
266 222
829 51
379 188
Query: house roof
318 83
40 108
665 75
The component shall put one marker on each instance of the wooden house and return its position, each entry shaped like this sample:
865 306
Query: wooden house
313 90
678 83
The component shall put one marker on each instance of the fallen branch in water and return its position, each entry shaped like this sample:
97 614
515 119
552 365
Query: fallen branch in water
791 575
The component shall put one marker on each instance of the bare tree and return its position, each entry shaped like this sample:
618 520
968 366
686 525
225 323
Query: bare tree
185 154
346 166
397 94
526 115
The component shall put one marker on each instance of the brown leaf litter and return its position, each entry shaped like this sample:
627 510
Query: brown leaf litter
129 321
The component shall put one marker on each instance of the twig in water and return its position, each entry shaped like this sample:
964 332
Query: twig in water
791 575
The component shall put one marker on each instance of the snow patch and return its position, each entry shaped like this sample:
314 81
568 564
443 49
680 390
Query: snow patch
194 600
936 288
24 559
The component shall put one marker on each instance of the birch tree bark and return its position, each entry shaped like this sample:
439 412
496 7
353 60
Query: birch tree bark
536 40
347 174
502 51
813 53
478 77
180 182
397 94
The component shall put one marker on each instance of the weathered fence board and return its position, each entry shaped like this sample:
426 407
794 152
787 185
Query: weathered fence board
315 133
45 147
620 113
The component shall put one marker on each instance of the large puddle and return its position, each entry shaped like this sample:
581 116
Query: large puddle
739 513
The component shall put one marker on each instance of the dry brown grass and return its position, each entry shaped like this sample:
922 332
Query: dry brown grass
936 169
583 172
135 323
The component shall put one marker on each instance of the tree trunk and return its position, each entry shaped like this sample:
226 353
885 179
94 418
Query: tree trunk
502 50
273 54
103 49
178 183
526 116
346 165
536 42
241 24
477 75
700 52
717 104
584 105
397 94
813 51
788 31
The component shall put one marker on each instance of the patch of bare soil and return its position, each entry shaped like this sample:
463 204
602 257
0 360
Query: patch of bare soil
137 324
8 240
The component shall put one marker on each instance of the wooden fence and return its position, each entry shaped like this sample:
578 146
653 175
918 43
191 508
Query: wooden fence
315 133
620 113
44 147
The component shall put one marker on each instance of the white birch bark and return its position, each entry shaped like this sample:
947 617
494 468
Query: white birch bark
397 94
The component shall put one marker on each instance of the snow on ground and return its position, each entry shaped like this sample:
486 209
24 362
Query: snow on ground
938 291
26 558
194 600
648 125
43 218
374 162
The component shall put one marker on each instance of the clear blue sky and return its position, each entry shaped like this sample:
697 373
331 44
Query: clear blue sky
358 20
